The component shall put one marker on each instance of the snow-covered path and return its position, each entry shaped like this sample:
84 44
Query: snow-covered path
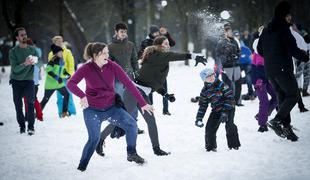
54 151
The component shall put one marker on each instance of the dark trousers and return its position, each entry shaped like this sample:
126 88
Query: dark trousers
247 69
286 87
21 89
49 92
213 125
165 100
234 85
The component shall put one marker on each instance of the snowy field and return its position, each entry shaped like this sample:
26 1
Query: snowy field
53 153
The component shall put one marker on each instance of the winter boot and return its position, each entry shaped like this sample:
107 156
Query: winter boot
136 158
289 133
22 130
211 149
140 131
262 128
99 148
166 113
305 93
81 168
65 114
160 152
275 125
303 109
30 132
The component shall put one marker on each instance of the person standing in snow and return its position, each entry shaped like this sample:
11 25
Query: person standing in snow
36 77
150 78
98 100
221 98
123 52
277 46
56 74
22 59
263 88
155 31
228 53
70 68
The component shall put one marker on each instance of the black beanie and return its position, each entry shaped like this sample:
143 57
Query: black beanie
153 29
282 10
55 49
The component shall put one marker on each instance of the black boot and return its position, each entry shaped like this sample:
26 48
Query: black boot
305 93
136 158
140 131
160 152
303 109
99 148
275 125
81 168
262 128
289 133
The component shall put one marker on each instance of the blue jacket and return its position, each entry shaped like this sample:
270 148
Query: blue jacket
245 57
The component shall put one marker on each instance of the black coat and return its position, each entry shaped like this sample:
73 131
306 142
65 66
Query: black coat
277 45
228 52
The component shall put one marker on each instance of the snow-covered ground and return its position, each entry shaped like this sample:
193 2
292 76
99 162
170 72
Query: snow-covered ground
54 151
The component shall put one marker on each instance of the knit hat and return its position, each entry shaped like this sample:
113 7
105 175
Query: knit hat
282 10
206 73
55 49
154 29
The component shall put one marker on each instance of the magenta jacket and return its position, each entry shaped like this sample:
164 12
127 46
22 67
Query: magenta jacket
101 94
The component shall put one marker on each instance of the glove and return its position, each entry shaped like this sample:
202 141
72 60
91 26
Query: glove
258 84
59 80
200 59
224 117
199 123
170 97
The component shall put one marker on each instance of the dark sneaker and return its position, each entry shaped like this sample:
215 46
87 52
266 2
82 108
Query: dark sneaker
22 130
275 125
289 133
211 149
167 113
262 128
99 148
160 152
136 158
81 168
235 148
303 109
140 131
239 104
30 132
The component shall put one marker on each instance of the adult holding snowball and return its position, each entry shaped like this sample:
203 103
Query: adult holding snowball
22 59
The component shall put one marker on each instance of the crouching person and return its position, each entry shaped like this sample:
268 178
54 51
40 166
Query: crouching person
221 98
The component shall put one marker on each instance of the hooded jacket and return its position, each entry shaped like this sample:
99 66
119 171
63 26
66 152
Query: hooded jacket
228 52
277 44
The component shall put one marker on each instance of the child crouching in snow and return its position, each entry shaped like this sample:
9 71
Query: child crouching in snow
221 98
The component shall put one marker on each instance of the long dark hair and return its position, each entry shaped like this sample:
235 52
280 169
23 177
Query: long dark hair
93 49
158 41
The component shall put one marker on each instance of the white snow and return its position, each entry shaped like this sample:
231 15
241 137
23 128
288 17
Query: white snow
54 151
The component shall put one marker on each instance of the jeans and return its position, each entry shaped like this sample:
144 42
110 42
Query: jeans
21 89
116 116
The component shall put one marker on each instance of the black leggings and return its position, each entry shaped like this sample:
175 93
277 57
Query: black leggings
49 92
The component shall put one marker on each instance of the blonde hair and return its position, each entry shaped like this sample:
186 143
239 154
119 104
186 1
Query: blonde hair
93 49
55 38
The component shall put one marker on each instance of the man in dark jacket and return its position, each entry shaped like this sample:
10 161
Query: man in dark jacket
228 53
155 31
277 45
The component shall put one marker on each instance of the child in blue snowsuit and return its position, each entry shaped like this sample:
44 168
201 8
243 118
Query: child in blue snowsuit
221 98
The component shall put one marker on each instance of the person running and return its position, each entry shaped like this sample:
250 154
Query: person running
98 100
